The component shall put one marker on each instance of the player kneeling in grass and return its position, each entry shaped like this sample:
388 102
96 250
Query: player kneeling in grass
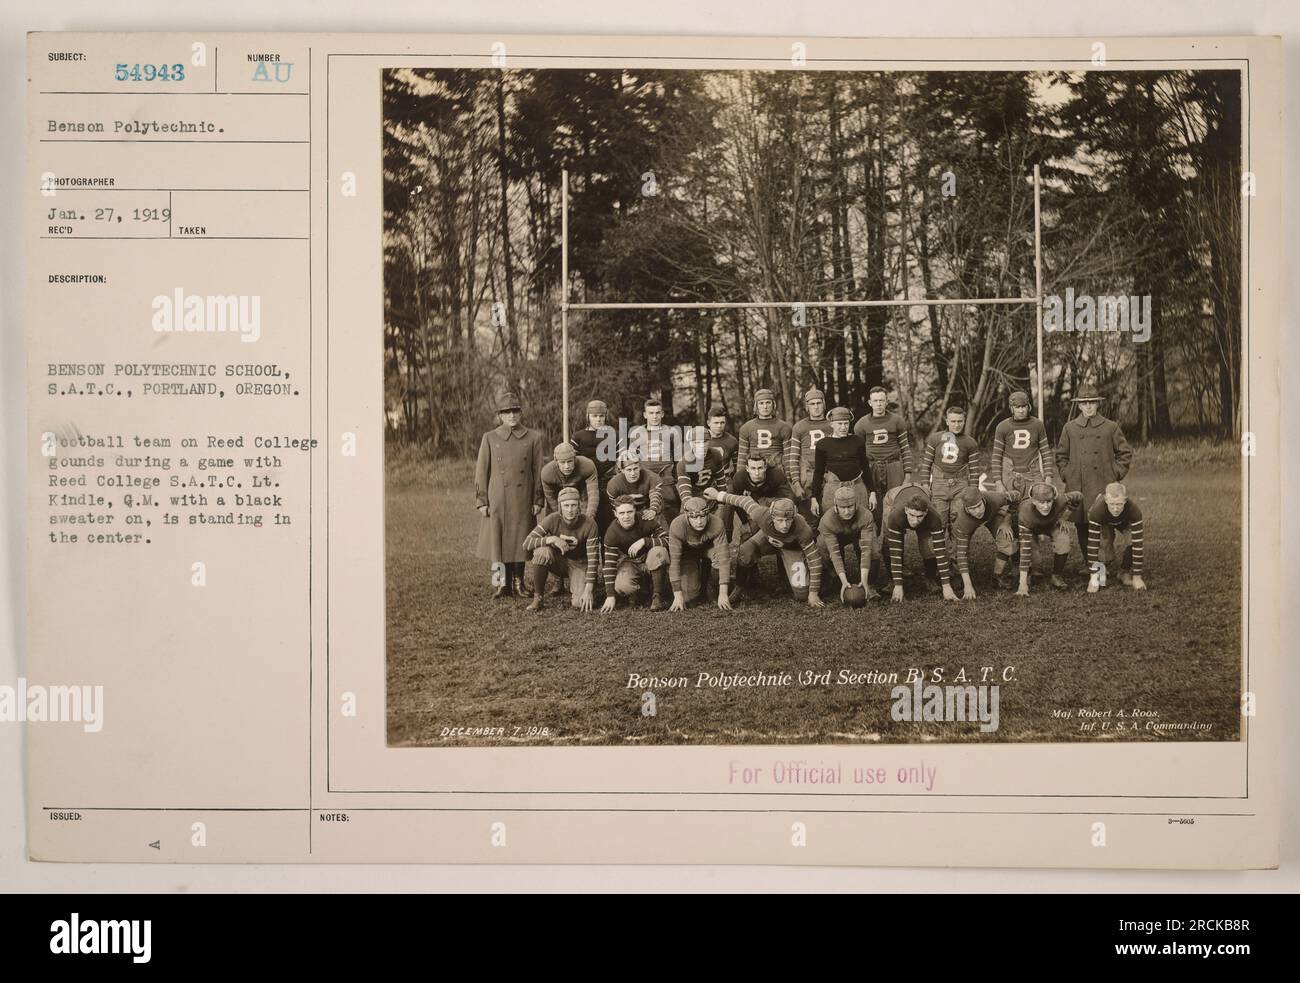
762 482
845 526
635 548
569 469
992 510
1046 513
697 549
908 507
1115 526
779 531
567 543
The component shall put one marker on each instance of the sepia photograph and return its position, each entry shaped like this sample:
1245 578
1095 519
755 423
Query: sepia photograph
809 407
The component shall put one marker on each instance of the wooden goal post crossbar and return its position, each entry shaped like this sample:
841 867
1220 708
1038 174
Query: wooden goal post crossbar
565 306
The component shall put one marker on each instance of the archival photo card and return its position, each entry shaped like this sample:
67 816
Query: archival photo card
524 449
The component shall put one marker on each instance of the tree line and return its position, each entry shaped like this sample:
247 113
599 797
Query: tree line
789 186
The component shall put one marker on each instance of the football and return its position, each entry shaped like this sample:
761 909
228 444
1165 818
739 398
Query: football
855 596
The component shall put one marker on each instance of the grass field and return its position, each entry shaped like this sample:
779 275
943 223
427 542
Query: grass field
458 659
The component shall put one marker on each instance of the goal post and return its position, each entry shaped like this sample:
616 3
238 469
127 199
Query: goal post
566 306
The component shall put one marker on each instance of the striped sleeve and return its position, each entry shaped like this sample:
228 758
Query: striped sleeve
865 538
813 557
791 457
750 507
833 548
613 556
1026 548
963 550
742 450
535 539
593 493
1045 456
723 551
905 448
895 555
927 463
1003 469
939 542
656 496
999 466
1136 546
593 558
684 490
675 546
973 467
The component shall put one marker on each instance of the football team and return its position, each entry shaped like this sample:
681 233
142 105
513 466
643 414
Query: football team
832 500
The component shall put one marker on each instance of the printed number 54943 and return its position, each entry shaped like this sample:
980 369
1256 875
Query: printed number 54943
149 73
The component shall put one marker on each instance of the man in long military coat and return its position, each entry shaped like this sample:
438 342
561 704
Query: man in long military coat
1091 454
508 491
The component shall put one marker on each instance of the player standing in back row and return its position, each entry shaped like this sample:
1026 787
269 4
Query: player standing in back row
764 436
595 442
726 443
888 448
841 460
949 464
1020 446
657 448
804 436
